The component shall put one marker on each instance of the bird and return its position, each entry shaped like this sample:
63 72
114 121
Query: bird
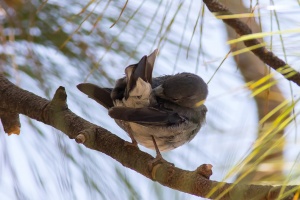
159 113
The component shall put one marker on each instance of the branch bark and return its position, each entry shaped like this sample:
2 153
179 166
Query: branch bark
57 114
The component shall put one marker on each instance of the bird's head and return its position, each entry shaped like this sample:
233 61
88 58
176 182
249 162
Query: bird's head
184 89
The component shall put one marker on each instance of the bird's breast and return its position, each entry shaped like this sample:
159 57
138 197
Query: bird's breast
166 137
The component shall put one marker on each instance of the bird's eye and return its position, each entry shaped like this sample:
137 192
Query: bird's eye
175 99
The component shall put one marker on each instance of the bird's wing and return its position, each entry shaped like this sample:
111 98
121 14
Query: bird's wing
101 95
147 116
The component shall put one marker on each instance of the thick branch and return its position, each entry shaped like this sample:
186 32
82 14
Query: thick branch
243 29
56 114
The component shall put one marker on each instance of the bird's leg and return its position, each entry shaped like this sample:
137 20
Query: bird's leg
158 154
158 159
133 141
128 130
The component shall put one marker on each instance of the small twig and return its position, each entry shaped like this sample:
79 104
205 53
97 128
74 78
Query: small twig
120 14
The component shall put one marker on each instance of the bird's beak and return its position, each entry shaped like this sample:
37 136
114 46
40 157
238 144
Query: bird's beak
199 103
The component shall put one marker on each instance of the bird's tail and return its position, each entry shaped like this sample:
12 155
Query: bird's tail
101 95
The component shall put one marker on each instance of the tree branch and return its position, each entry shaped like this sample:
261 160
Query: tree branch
56 114
243 29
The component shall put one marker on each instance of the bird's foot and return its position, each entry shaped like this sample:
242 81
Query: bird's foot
154 164
158 160
133 143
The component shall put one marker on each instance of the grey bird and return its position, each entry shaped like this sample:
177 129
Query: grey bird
160 113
